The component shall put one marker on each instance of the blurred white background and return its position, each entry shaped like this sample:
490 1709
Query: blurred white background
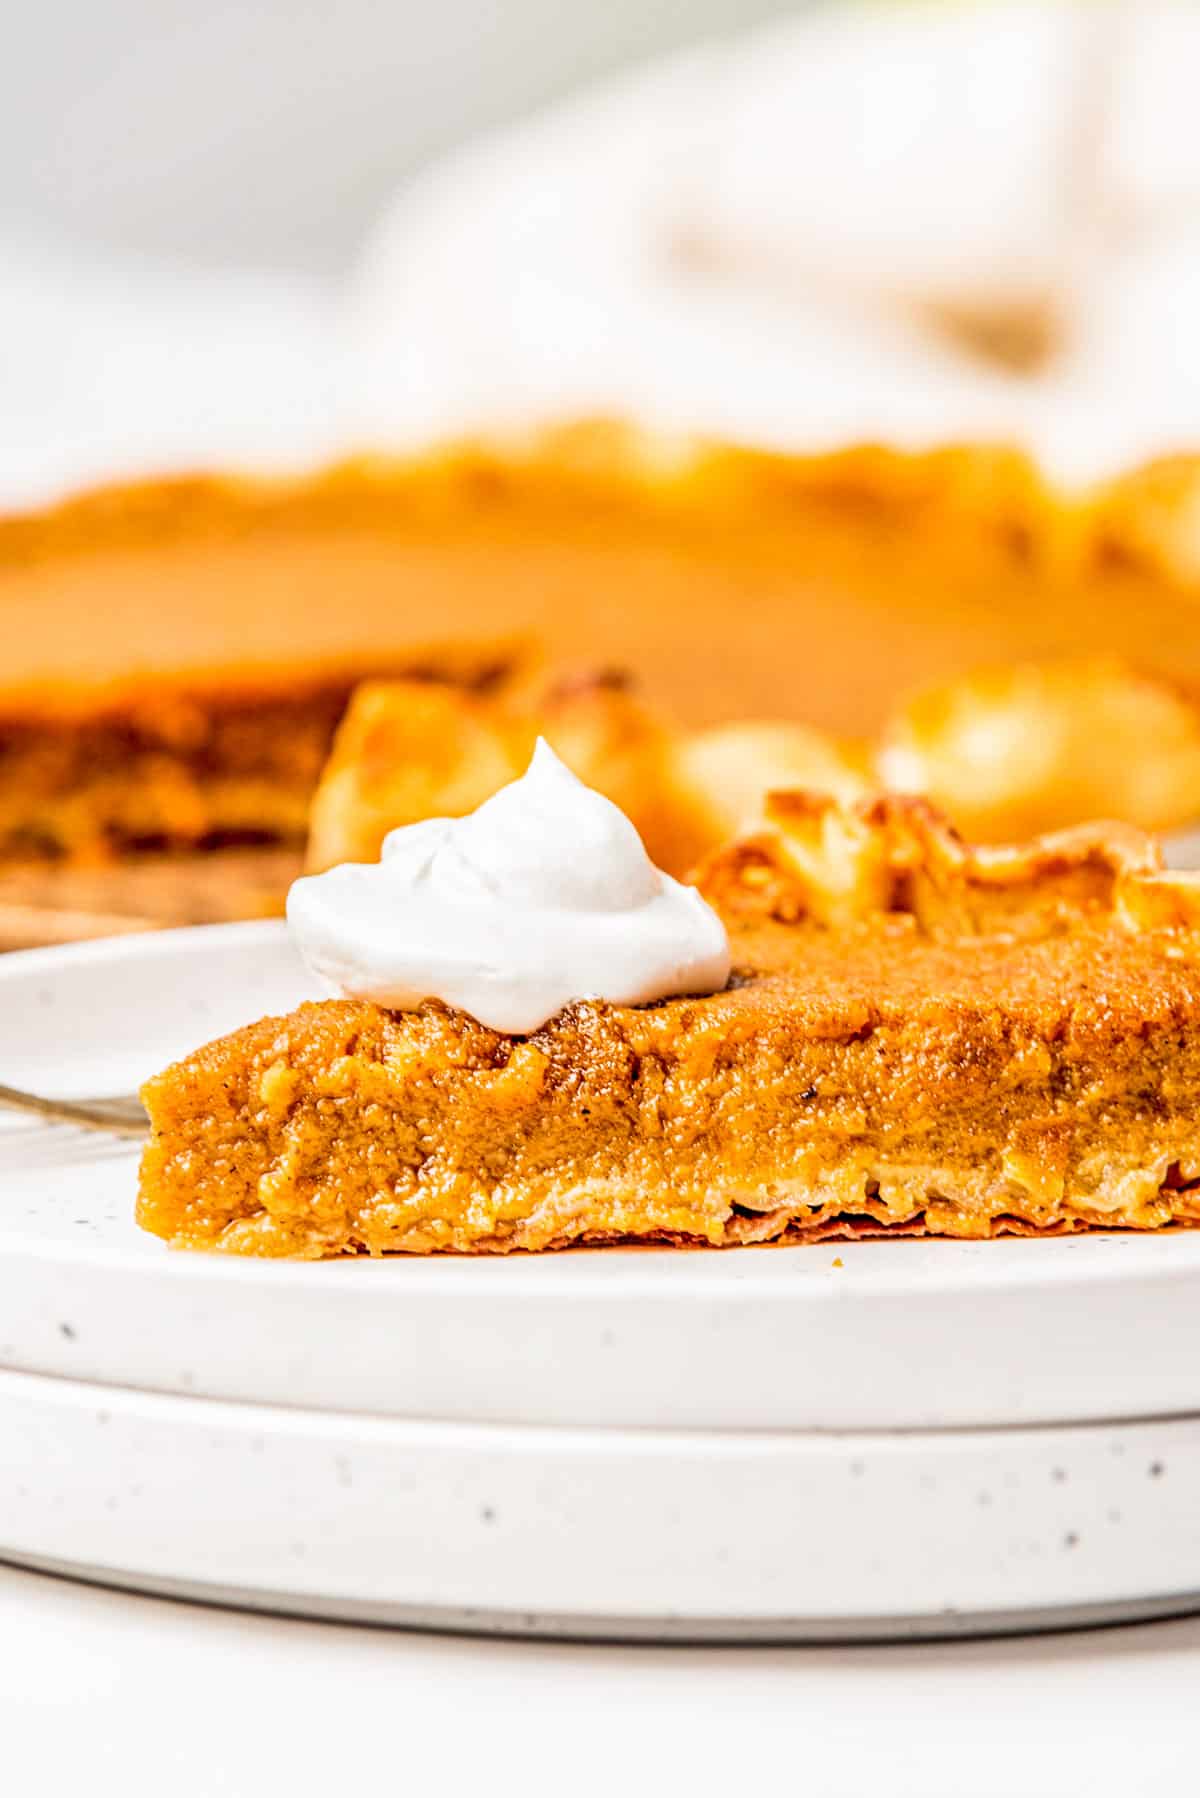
184 185
263 234
270 132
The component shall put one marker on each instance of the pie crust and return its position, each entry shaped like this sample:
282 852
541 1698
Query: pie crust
409 750
1011 752
917 1038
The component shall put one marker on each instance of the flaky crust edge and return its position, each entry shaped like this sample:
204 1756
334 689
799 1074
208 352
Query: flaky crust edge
1148 519
897 853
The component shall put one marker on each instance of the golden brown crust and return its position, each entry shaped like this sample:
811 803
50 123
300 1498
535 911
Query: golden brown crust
1043 744
1149 519
916 1037
1150 516
898 855
726 773
592 460
406 751
1016 751
409 750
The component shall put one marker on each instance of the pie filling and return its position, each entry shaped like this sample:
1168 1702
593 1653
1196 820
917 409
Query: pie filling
915 1039
175 767
348 1128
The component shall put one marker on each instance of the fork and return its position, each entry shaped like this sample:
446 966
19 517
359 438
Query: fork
121 1115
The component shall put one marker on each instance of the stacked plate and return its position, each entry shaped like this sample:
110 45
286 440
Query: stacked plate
878 1439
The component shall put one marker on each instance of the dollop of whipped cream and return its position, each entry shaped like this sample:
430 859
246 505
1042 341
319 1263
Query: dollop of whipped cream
543 895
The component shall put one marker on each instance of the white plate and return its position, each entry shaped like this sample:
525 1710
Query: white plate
731 1409
867 1335
759 1534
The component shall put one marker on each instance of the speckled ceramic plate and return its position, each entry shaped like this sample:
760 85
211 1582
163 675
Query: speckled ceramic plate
805 1440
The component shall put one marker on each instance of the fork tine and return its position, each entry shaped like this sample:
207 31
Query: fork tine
120 1116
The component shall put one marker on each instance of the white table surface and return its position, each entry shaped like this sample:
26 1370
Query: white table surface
107 1692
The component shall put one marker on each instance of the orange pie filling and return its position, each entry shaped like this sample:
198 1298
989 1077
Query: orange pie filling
916 1038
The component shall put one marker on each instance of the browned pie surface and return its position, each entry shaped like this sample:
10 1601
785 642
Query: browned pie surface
914 1038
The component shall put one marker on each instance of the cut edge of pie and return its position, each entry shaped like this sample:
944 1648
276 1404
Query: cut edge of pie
917 1038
